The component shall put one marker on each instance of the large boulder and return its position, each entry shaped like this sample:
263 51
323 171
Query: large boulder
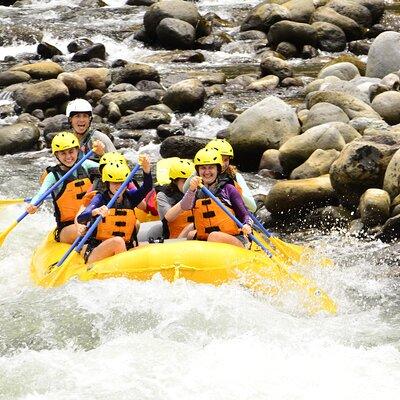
149 119
299 194
173 33
351 29
95 78
266 125
18 137
134 73
374 207
275 66
344 70
391 181
317 164
177 9
50 93
76 84
362 165
353 10
40 70
293 32
329 36
352 106
185 96
11 77
97 50
387 105
322 113
132 100
298 148
263 16
375 7
384 55
181 146
300 10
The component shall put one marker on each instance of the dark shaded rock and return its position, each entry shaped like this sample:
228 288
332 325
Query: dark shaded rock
144 120
79 44
181 146
164 131
46 50
97 50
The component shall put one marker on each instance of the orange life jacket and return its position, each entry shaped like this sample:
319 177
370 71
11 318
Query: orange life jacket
69 199
209 217
176 226
121 221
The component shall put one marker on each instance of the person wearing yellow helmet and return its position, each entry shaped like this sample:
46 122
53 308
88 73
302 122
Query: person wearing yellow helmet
210 221
117 232
67 198
230 172
176 222
80 114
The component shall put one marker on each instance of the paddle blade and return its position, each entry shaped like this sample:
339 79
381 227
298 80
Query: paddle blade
11 201
4 234
59 275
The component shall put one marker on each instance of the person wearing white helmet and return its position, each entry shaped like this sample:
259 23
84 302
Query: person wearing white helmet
79 113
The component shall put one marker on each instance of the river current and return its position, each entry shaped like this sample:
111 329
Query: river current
122 339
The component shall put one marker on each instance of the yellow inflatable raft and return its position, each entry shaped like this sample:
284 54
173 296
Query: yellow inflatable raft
202 262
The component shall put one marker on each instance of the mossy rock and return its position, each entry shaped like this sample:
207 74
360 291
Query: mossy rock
362 66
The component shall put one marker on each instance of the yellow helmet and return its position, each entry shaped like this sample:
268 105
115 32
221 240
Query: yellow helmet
64 141
181 168
223 146
208 156
116 173
112 157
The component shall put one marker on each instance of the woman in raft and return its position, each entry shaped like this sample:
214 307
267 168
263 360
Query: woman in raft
210 221
229 172
68 197
176 222
117 232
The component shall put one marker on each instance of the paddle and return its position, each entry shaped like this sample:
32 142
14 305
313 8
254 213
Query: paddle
4 234
292 252
80 241
7 202
230 215
316 294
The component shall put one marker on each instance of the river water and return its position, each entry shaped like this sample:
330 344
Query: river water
121 339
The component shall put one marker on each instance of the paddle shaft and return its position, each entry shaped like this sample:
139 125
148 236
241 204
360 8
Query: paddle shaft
80 241
58 183
238 223
260 226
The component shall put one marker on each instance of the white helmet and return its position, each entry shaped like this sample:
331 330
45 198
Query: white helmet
78 106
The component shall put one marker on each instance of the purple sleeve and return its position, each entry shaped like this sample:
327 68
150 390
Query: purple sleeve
137 195
86 215
238 206
187 201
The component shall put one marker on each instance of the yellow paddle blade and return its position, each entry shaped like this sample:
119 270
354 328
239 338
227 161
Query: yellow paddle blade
162 170
11 201
317 299
4 234
60 275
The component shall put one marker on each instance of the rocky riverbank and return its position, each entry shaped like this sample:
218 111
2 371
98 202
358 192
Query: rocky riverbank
335 153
